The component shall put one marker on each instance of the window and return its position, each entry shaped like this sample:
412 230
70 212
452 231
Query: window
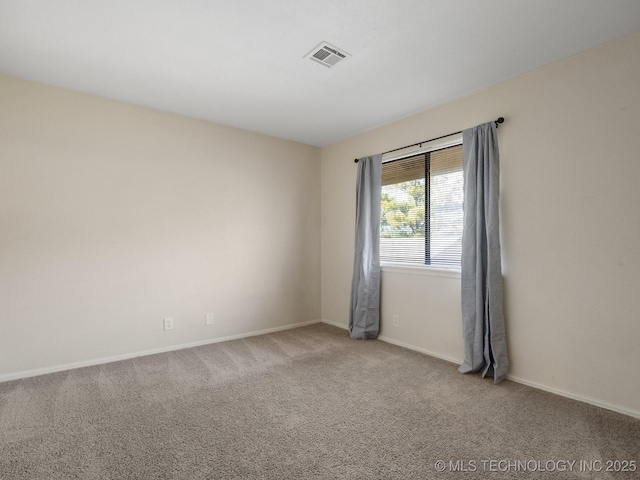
421 209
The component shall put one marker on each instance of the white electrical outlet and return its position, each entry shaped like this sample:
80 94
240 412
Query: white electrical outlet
167 323
208 319
396 321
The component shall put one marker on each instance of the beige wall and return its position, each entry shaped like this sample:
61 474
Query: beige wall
571 226
114 216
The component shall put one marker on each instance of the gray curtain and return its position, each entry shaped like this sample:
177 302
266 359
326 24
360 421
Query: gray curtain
483 328
364 317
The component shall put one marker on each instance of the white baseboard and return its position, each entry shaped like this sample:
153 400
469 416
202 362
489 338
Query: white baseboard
399 344
581 398
546 388
99 361
418 349
127 356
336 324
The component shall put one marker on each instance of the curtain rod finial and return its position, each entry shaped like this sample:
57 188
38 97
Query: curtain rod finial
356 160
499 121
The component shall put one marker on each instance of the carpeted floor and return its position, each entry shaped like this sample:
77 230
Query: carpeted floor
301 404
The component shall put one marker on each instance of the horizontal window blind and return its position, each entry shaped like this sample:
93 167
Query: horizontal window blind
421 209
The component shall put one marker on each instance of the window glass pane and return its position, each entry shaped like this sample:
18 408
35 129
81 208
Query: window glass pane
446 218
421 209
402 222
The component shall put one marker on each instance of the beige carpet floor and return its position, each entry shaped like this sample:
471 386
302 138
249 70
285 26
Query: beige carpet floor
301 404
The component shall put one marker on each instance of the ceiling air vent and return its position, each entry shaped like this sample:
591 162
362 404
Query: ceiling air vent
326 54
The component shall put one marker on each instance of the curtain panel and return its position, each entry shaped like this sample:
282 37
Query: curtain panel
483 325
364 315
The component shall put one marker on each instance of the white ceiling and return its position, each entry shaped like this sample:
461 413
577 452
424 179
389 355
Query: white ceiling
240 62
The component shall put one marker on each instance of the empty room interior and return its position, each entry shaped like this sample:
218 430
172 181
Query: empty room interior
181 259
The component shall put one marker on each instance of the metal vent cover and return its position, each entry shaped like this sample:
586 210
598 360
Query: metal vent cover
326 54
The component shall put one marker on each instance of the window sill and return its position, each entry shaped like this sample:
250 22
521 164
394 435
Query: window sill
419 270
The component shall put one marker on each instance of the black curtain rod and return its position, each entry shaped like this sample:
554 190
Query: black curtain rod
497 122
